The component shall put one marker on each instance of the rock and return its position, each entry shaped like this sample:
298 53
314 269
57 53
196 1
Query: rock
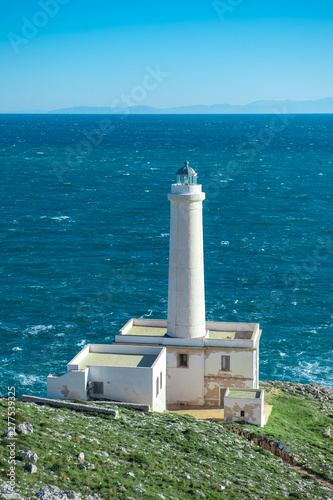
7 493
139 488
160 495
200 493
120 487
55 493
30 456
130 473
9 433
25 428
327 432
30 467
87 465
80 457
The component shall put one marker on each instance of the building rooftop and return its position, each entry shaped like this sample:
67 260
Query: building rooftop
147 331
234 393
218 335
119 360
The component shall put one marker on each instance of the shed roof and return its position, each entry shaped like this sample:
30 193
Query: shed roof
117 360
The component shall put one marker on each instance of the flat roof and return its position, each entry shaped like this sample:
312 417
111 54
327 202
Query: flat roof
120 360
244 394
240 335
221 335
147 331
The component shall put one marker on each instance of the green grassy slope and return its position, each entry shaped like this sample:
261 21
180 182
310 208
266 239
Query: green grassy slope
164 455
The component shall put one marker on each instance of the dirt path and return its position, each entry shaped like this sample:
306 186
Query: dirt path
321 480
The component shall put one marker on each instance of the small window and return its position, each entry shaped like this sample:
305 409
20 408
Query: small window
161 380
225 363
182 360
98 388
157 387
242 413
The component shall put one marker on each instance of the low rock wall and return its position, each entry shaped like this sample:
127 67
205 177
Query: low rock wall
83 407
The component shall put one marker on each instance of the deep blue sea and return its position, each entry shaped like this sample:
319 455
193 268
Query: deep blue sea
85 231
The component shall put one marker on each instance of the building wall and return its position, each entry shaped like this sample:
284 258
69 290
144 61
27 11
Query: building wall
133 385
213 386
159 372
185 384
241 373
123 384
241 362
71 385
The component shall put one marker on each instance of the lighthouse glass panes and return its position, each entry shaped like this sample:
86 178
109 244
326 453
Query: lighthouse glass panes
187 179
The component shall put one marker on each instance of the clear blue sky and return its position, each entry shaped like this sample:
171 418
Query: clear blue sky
92 52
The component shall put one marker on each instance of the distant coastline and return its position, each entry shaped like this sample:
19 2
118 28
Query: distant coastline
319 106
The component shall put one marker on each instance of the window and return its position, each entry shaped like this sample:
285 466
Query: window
161 380
242 413
225 363
98 388
157 387
182 360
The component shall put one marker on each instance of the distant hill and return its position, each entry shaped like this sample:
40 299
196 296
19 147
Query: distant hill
256 107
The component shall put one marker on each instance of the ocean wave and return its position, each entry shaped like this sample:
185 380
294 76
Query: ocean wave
38 328
61 217
30 380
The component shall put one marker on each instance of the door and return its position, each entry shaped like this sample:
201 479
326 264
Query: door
222 393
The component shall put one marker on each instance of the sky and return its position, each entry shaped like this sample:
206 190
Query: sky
65 53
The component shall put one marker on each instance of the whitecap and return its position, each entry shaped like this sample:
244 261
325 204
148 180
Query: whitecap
163 235
38 328
17 349
226 243
81 343
61 217
30 379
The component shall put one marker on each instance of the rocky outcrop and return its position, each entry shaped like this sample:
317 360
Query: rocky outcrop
25 428
315 390
55 493
30 456
32 468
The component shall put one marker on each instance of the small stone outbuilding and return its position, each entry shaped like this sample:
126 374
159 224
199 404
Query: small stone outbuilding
244 405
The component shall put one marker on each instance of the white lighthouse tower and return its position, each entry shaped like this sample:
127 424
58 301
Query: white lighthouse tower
186 293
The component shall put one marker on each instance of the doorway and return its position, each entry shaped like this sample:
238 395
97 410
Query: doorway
222 393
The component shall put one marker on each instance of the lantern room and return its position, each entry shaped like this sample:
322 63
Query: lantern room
186 175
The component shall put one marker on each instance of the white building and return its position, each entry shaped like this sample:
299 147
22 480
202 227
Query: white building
201 360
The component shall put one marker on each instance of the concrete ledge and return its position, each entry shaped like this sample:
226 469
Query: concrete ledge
82 407
66 404
128 406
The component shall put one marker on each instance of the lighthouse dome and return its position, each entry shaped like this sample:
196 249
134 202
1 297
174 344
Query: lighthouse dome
186 175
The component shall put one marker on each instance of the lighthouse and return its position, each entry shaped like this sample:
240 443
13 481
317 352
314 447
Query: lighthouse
181 360
186 290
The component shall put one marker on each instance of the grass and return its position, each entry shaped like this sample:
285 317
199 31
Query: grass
297 422
143 455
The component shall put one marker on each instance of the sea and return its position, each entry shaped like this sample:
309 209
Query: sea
84 233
